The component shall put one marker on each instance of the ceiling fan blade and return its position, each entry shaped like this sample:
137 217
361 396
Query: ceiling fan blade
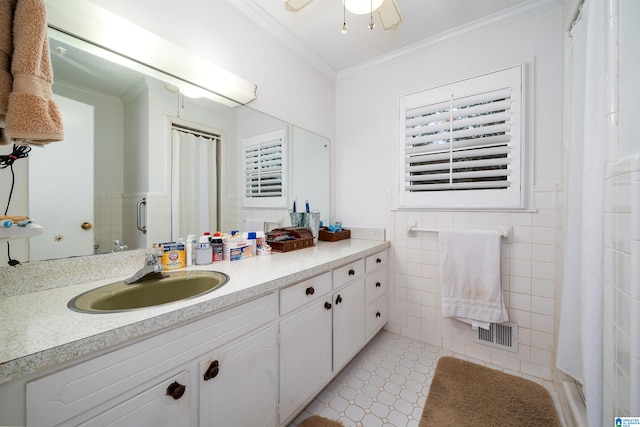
390 15
295 5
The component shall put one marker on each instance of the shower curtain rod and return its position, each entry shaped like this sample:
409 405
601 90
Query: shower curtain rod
505 231
195 132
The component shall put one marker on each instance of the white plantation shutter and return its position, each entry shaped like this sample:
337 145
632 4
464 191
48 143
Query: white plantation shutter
461 144
264 168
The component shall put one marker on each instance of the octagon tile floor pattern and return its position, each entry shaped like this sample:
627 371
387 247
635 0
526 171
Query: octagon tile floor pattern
386 385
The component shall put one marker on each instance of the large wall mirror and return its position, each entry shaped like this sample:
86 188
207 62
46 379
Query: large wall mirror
112 179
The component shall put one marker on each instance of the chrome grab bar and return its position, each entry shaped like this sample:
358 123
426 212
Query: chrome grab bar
139 215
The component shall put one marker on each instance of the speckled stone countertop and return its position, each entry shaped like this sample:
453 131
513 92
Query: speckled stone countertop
38 331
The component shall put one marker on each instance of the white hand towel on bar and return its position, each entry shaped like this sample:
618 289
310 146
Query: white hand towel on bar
470 276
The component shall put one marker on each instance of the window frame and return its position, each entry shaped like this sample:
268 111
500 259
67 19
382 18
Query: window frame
264 200
514 197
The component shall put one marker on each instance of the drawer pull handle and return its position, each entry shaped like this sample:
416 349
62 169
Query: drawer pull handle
327 305
310 290
176 390
378 284
378 314
212 371
352 272
378 260
338 299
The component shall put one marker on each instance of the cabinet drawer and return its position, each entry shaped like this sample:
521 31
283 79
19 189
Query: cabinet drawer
376 261
304 292
376 317
347 273
375 285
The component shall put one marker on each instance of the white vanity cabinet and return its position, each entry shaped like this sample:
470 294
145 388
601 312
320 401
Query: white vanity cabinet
256 363
324 324
159 381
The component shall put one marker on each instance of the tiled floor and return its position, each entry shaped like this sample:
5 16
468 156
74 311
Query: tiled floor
385 385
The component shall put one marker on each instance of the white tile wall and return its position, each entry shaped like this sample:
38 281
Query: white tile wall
107 221
528 275
622 290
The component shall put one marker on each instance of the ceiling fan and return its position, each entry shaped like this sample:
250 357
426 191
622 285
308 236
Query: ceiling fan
387 10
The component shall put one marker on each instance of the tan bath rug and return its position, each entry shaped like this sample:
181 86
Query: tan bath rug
467 394
318 421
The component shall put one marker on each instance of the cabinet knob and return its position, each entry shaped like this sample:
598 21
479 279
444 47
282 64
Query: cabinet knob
176 390
338 299
310 290
212 371
378 260
352 272
378 314
378 284
327 305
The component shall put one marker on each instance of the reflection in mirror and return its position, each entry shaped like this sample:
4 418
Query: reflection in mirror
128 132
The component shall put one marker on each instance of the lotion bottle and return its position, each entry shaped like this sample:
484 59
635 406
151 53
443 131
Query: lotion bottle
188 247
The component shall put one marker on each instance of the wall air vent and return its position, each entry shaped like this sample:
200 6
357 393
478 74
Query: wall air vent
499 335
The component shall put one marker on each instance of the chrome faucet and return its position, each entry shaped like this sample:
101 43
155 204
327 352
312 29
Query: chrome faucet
152 269
118 246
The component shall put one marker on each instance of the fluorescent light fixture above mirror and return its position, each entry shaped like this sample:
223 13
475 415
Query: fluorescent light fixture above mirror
103 28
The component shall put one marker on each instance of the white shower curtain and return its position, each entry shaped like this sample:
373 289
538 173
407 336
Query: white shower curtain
580 350
194 191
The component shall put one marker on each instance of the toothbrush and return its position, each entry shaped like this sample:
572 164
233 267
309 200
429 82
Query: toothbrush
306 206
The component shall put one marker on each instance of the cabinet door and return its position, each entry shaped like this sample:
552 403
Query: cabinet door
348 323
163 404
305 355
238 383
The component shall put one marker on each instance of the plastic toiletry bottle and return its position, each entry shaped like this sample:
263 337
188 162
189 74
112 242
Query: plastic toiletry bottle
188 249
203 251
217 247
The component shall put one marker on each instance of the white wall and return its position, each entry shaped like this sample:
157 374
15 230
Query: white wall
367 106
621 295
629 87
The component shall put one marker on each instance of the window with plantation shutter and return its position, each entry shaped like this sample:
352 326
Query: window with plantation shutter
461 144
264 159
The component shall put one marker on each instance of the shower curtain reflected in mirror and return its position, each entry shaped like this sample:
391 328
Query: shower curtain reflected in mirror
194 182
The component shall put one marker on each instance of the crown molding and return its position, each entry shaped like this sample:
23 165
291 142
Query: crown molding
254 12
498 19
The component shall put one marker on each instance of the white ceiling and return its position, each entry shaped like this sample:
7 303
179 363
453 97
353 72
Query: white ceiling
315 31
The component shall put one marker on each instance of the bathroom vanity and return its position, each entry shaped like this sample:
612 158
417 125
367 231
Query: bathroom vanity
254 352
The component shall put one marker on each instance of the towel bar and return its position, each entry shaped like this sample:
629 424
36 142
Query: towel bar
505 230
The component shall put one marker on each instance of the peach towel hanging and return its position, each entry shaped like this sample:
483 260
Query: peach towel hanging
32 116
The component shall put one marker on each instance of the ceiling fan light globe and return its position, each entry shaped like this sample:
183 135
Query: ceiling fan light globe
361 7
